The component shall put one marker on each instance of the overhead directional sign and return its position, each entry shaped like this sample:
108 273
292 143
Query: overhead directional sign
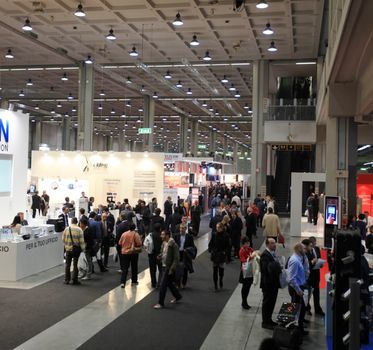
202 147
145 130
292 147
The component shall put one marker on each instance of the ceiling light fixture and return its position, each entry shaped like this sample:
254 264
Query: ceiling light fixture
111 35
179 85
194 41
204 104
36 107
9 54
102 93
128 104
128 81
211 109
79 11
52 111
100 106
246 106
207 56
268 30
216 112
59 105
262 5
133 52
21 94
155 95
141 109
112 111
232 88
29 82
27 26
142 88
178 21
224 80
64 77
88 60
70 97
272 47
189 92
168 75
362 148
237 94
73 110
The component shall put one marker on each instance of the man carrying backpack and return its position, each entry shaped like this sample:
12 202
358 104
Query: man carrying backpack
152 245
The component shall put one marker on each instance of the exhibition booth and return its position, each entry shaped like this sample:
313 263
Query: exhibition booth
37 248
102 175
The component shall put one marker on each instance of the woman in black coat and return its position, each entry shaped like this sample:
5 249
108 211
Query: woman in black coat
195 214
251 225
218 246
236 229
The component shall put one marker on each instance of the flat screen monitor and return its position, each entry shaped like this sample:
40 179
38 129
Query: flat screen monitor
6 171
332 210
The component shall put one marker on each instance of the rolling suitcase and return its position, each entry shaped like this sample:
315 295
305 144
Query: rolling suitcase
286 333
287 336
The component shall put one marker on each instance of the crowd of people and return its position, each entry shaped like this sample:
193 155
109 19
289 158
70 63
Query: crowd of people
168 240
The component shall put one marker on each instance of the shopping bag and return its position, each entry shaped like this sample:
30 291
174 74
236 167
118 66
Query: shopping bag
82 264
247 269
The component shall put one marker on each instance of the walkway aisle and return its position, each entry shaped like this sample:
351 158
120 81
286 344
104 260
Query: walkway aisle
244 327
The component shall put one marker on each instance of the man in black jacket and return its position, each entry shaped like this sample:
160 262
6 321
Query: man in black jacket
89 240
167 212
156 219
270 282
36 204
315 278
215 220
184 240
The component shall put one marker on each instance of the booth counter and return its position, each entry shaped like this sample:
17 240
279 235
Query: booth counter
20 259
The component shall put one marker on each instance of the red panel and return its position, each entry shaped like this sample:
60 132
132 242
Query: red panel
364 189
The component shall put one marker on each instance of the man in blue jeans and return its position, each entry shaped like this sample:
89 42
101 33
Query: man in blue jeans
298 271
170 259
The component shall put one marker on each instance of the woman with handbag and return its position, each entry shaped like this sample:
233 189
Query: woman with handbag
218 247
246 274
131 246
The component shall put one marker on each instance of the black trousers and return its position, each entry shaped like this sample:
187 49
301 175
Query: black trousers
316 298
245 290
167 221
196 224
218 269
168 282
153 264
105 250
125 261
70 259
269 302
236 245
295 298
34 212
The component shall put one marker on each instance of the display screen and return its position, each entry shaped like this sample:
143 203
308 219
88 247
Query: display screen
331 210
6 166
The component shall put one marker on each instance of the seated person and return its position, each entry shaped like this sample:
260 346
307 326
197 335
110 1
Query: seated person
16 225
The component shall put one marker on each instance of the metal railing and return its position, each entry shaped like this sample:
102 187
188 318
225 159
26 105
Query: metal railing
291 113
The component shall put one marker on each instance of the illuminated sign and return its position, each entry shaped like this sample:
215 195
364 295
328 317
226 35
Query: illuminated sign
145 130
4 135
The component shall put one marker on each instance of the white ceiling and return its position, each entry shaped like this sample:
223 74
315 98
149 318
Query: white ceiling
62 40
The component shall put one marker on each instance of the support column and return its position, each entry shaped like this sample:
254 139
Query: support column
66 134
194 138
225 146
148 123
212 141
109 143
235 158
38 133
258 153
85 112
121 141
183 148
341 159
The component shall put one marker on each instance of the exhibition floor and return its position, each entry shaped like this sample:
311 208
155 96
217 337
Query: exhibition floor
100 315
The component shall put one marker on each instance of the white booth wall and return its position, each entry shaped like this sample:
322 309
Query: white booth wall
16 149
131 175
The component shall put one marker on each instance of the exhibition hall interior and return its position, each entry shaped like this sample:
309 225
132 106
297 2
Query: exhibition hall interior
186 174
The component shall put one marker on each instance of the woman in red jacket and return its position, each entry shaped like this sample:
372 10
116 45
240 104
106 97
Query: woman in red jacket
245 256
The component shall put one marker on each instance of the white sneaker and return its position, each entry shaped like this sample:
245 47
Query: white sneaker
86 278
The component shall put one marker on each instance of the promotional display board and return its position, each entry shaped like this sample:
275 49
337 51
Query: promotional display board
126 174
364 189
14 134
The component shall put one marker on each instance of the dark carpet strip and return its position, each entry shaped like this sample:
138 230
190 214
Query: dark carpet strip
182 326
